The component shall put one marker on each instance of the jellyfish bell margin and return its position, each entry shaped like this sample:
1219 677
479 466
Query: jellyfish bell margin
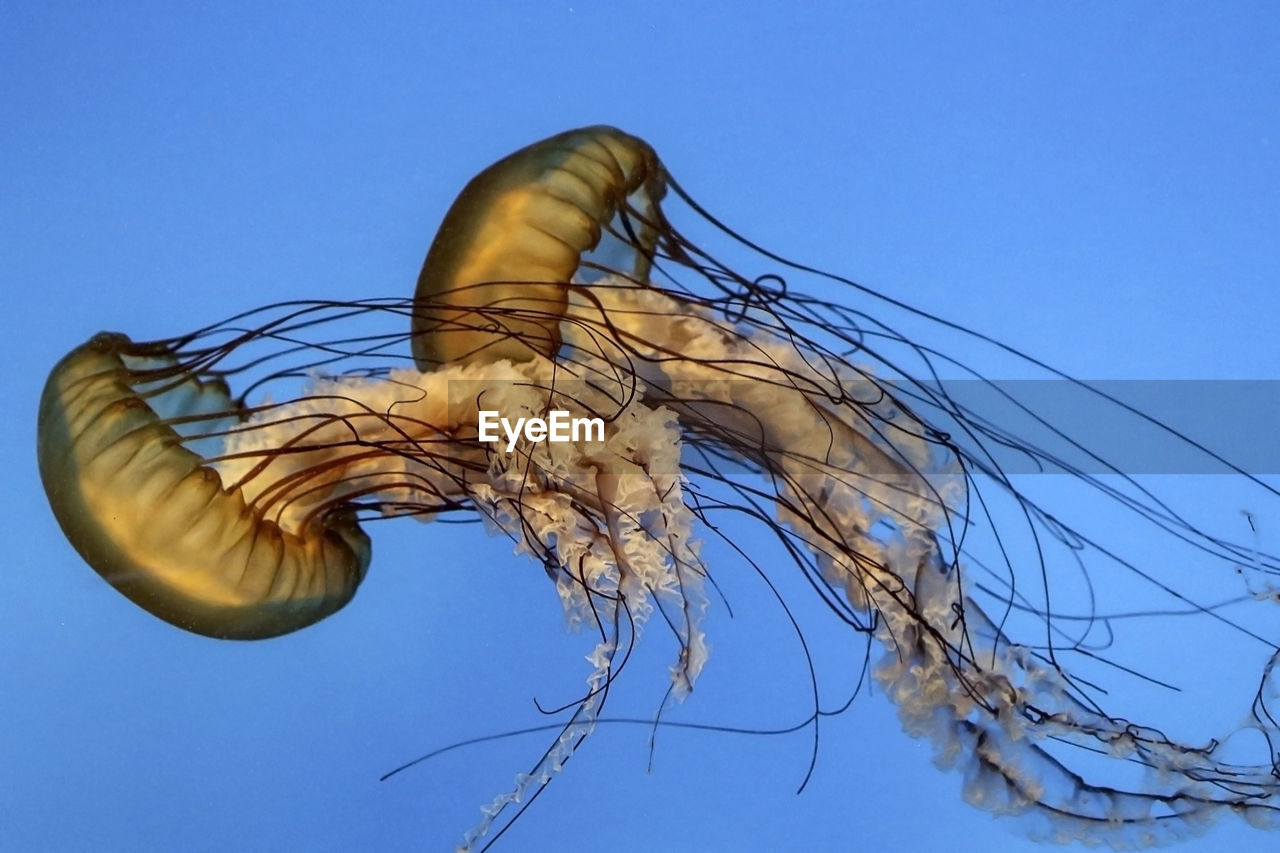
558 282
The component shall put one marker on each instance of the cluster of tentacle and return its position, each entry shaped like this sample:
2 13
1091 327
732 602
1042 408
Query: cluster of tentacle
557 282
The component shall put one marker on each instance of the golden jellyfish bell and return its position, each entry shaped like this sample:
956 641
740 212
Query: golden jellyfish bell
495 281
158 524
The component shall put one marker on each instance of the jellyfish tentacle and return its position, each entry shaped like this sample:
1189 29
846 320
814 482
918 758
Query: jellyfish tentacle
992 707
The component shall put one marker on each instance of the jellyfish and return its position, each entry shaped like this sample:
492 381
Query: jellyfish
220 480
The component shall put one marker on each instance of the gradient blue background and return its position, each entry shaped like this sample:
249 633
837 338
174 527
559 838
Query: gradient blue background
1097 185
